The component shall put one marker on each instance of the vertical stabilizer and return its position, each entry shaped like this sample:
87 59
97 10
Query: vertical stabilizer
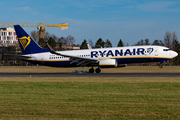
27 44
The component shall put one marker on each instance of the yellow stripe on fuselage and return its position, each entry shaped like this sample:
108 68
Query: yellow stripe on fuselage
106 64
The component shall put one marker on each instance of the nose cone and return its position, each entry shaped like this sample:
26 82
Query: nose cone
174 54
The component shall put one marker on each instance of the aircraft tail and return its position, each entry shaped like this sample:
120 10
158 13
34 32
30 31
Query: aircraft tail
27 44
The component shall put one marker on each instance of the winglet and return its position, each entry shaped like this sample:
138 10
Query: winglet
89 47
50 48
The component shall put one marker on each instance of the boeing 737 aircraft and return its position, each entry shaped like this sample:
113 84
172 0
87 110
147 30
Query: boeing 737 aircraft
102 58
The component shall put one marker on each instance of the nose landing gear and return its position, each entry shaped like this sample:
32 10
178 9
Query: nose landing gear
160 66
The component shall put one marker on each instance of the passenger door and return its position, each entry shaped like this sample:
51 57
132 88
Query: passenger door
156 51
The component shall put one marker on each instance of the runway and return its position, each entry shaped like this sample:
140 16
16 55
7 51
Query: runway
13 74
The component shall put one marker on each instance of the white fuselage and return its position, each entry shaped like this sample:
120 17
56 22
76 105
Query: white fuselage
123 55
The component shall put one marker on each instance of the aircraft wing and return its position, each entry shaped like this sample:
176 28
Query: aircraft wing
80 60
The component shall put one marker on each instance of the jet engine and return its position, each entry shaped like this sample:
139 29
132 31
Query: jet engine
108 63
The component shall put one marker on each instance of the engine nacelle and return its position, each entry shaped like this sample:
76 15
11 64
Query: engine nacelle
108 63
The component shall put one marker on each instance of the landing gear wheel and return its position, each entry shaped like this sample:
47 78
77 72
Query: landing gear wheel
91 70
98 70
160 66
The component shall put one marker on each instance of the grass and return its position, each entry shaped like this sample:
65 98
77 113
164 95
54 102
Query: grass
128 69
84 98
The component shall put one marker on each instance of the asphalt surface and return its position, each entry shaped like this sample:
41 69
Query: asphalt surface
6 74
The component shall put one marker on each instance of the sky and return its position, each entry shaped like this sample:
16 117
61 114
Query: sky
128 20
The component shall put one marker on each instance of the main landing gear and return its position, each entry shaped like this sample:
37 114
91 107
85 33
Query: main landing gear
91 70
98 70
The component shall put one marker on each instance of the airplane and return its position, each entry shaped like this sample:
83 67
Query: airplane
101 58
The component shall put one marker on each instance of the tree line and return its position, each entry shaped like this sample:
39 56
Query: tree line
54 41
100 44
58 43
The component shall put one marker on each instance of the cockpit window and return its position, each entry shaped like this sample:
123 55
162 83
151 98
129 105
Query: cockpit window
166 49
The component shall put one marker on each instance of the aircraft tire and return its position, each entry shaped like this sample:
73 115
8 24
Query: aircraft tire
98 70
91 70
160 66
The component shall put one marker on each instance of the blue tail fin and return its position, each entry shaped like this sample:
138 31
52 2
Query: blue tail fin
27 44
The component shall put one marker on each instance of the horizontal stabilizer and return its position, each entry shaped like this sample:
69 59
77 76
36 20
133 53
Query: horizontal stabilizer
21 56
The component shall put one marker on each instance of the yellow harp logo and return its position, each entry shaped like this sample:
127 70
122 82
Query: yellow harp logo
24 41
